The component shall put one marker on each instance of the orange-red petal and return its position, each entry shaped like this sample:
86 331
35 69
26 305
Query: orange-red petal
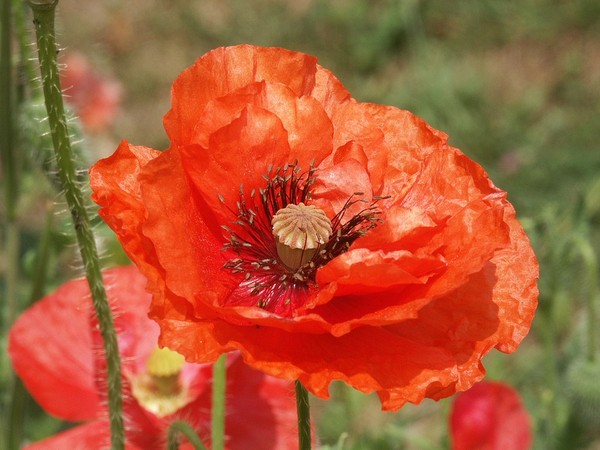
227 69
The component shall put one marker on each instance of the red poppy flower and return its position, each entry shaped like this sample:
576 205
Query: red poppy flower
94 98
322 237
52 350
490 416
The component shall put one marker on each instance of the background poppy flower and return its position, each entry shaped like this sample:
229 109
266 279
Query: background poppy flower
421 270
52 349
94 98
490 416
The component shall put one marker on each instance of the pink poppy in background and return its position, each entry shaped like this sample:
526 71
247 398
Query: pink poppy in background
94 97
490 416
52 349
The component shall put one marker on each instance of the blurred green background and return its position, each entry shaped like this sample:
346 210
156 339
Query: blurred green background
515 84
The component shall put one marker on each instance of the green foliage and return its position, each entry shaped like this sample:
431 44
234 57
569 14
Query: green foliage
584 392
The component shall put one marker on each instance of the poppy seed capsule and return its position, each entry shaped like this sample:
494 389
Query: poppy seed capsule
299 231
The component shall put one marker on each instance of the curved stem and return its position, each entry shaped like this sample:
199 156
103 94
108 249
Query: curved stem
179 426
43 18
303 408
218 403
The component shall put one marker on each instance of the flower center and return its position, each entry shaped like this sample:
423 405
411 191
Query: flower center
159 388
281 241
299 230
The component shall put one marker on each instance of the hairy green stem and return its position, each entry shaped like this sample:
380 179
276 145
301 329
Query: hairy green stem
218 403
43 18
180 427
303 408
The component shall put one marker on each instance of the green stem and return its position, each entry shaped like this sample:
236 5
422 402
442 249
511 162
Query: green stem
303 408
12 270
43 18
218 403
27 70
11 429
9 163
6 112
179 426
552 388
590 261
18 395
17 405
40 270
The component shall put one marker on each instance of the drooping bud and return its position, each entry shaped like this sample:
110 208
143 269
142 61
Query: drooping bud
299 231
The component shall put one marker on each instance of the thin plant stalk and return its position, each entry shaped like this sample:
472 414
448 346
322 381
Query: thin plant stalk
303 408
40 269
9 162
218 403
11 190
590 262
18 395
178 427
26 67
43 18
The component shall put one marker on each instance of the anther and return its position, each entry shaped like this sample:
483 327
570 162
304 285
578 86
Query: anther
159 388
164 362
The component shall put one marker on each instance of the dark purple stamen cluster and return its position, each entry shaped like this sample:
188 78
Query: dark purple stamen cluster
251 237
